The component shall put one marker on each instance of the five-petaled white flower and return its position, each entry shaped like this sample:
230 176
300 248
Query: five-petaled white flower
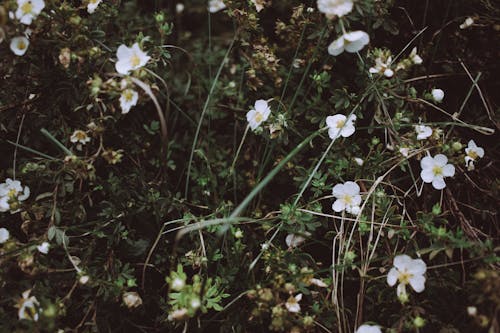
365 328
79 137
11 194
27 10
128 99
130 58
4 235
92 5
258 114
348 197
351 42
434 169
407 271
332 8
340 125
414 57
292 304
43 248
437 95
28 307
215 6
382 68
423 132
19 45
473 152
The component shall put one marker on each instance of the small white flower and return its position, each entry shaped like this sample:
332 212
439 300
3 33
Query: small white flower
128 99
4 204
471 311
195 303
292 304
130 58
467 23
28 307
27 10
423 132
437 95
359 161
382 68
407 271
84 279
473 152
348 198
92 5
415 58
332 8
264 246
294 240
404 151
43 248
365 328
11 193
179 8
215 6
340 125
132 299
19 45
258 114
178 284
351 42
80 137
4 235
434 169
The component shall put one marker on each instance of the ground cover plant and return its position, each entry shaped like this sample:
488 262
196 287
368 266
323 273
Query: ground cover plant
249 166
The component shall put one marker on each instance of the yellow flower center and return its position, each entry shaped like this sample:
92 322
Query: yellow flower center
472 154
258 117
21 45
27 7
437 170
404 277
128 95
347 199
93 1
340 123
12 193
135 60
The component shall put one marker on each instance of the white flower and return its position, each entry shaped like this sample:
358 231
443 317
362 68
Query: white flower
178 284
348 198
132 299
83 279
195 303
258 114
130 58
332 8
437 95
79 136
467 23
473 152
128 99
471 311
407 271
19 45
423 132
216 5
340 125
11 193
434 169
382 67
27 10
359 161
28 307
351 42
294 240
43 248
404 151
292 304
4 235
415 58
92 5
179 8
365 328
264 246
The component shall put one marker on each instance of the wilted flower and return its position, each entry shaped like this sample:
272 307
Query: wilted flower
382 67
19 45
434 169
423 132
179 314
407 271
28 307
80 137
365 328
4 235
467 23
348 197
340 125
132 299
292 304
437 95
130 58
414 57
332 8
92 5
473 152
27 10
351 42
128 99
258 114
43 248
216 5
11 193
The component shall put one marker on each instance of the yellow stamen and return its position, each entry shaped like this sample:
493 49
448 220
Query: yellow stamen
437 170
21 45
27 7
135 60
472 154
404 277
128 95
340 123
258 117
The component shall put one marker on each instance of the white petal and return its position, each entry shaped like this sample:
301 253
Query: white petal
351 188
261 105
417 267
438 183
392 277
123 52
440 160
331 121
356 201
401 289
427 175
123 67
357 40
448 170
338 190
336 47
333 133
427 162
338 205
347 131
402 262
417 282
